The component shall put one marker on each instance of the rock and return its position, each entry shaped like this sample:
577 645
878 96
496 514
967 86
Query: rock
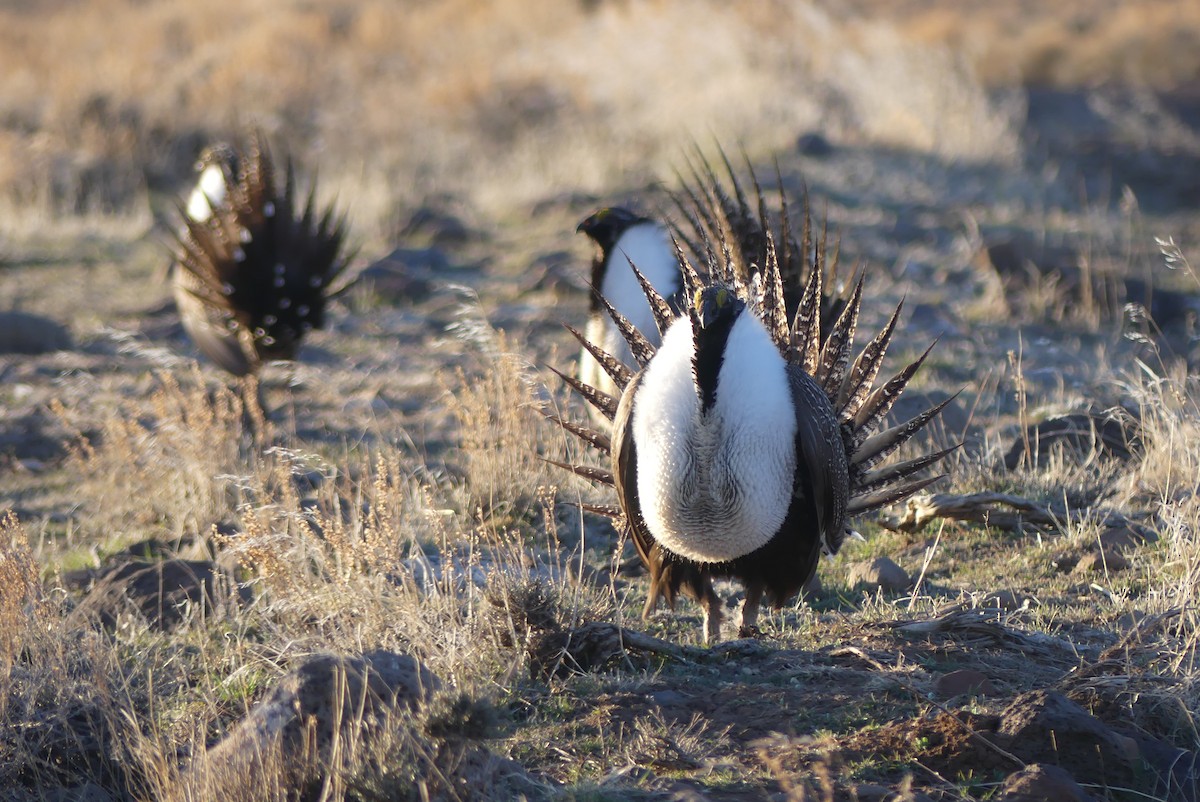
669 698
1111 434
160 590
291 738
1020 262
963 682
25 333
1045 726
1099 561
1126 538
869 792
813 144
88 792
1008 600
879 574
405 274
1039 782
437 224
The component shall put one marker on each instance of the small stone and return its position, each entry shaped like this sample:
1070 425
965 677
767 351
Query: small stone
25 333
1040 782
880 574
1100 561
669 698
1124 538
1008 600
964 682
302 720
1045 725
869 792
813 144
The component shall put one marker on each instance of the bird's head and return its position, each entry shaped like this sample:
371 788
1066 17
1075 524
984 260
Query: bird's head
715 307
606 226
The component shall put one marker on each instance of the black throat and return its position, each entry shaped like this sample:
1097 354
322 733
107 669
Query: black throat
709 342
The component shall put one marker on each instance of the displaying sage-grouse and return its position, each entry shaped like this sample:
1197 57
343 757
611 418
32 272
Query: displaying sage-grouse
253 272
713 210
742 444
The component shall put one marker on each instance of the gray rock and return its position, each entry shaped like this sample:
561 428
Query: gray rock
1039 782
25 333
880 573
159 590
1100 561
290 739
1047 726
962 682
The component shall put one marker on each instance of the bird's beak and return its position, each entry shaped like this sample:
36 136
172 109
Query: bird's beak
591 221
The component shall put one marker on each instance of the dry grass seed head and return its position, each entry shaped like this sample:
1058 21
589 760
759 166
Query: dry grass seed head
20 592
167 463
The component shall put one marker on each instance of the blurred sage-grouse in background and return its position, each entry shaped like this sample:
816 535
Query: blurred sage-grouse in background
253 272
743 443
625 238
712 212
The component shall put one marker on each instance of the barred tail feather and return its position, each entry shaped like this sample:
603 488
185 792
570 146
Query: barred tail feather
858 386
890 474
835 355
891 495
663 316
598 440
597 398
592 474
877 447
639 346
612 366
880 402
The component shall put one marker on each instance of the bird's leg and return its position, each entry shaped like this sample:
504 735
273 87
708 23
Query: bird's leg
749 627
710 602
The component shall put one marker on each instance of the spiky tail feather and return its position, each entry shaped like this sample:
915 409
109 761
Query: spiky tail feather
721 217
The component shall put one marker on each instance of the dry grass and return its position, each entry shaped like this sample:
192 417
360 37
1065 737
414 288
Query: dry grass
172 464
361 519
1086 44
495 102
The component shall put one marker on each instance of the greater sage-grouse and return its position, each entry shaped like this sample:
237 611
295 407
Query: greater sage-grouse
624 239
253 271
742 444
712 210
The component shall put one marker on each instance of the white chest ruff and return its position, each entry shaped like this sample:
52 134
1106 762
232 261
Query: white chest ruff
715 488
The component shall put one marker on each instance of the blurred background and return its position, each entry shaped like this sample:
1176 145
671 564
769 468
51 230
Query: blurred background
106 104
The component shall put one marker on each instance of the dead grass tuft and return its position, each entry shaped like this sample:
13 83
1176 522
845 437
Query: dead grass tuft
172 463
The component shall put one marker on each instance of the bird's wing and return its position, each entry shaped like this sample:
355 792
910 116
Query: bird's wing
624 460
821 475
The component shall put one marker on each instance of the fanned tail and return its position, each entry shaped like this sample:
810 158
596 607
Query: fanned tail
253 276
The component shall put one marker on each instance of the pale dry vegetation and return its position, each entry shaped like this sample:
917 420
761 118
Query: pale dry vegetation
108 103
392 492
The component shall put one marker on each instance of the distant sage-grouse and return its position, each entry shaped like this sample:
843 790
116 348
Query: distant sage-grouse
743 443
253 272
